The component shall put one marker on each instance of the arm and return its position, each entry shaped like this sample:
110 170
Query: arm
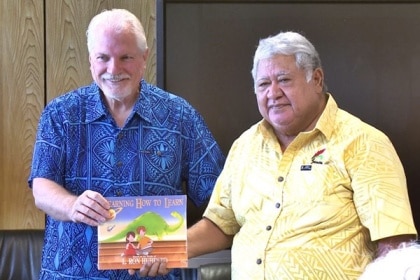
206 237
393 242
90 207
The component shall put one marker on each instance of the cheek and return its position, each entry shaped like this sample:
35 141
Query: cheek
140 69
94 69
135 71
262 105
261 101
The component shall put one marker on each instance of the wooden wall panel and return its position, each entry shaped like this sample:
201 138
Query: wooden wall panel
67 55
21 101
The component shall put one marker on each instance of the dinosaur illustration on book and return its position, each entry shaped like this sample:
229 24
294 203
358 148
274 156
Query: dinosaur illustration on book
155 224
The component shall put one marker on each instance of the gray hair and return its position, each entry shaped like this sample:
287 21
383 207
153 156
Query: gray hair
118 20
288 43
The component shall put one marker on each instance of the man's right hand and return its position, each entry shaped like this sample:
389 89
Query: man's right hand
90 208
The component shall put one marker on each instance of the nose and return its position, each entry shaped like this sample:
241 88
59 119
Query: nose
274 91
113 66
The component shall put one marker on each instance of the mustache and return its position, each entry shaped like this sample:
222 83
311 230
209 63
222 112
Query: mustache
114 78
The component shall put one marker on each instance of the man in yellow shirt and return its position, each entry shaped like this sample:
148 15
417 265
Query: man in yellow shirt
310 191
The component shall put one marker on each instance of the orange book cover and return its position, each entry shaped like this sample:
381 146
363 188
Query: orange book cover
144 229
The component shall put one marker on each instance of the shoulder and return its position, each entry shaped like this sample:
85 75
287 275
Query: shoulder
73 103
155 93
74 97
348 124
258 135
257 132
162 102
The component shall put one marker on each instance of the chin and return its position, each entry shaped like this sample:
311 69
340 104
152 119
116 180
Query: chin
278 122
118 95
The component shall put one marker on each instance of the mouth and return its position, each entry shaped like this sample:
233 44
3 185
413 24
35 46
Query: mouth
278 106
114 81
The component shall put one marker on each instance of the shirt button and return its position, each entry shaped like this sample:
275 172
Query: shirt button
259 261
280 179
268 228
278 205
119 164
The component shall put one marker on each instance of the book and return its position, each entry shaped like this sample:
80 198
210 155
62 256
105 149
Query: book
144 229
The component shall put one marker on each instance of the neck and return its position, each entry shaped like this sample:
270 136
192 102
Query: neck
286 135
120 109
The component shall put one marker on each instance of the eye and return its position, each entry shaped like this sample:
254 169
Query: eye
101 57
127 57
263 84
261 87
283 80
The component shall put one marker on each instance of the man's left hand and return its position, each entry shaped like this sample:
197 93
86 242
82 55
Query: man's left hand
152 269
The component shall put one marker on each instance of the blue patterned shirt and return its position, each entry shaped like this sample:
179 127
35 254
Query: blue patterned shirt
164 143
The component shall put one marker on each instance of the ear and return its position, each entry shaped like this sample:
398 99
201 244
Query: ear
145 55
90 63
318 78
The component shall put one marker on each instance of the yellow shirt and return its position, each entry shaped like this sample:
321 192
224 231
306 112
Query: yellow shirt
143 242
313 211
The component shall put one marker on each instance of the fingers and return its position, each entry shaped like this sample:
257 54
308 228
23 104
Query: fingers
154 269
90 208
162 270
146 270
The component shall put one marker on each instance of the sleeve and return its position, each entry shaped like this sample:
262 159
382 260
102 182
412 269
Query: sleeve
380 188
204 158
219 210
48 153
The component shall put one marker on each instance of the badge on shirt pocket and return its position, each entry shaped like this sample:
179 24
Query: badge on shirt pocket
319 157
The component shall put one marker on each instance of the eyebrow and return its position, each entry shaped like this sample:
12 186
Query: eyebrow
281 73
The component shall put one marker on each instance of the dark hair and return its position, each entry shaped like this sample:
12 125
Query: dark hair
130 233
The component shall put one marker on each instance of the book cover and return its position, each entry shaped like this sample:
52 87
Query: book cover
144 229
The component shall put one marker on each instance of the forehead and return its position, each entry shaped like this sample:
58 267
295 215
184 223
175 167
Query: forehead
108 40
276 65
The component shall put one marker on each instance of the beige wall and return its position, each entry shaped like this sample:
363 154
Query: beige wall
36 66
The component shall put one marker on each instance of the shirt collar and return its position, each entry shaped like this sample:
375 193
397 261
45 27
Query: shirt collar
96 107
144 105
326 121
